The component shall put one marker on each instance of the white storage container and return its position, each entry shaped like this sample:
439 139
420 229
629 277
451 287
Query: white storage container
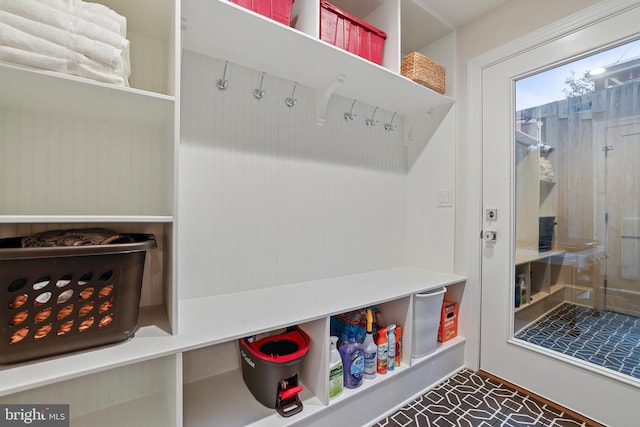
426 318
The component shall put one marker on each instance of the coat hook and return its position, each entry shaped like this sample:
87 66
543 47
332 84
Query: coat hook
371 121
390 126
222 83
259 92
350 116
290 101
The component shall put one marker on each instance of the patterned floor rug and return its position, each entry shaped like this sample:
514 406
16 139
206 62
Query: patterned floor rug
601 337
468 399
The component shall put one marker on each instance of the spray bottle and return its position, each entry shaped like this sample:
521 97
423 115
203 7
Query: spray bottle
370 349
335 370
391 333
383 351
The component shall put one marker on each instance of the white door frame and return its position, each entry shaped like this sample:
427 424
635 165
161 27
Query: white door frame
599 384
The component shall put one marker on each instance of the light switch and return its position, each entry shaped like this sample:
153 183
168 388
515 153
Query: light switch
444 198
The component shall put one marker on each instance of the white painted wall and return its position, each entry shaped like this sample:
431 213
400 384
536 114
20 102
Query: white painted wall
269 198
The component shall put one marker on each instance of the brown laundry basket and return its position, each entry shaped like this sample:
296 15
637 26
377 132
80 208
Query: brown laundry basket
424 71
59 299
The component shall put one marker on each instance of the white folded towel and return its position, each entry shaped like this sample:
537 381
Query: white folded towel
66 66
51 16
101 9
14 38
78 8
102 52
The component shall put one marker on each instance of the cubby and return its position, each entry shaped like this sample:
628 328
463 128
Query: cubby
80 153
548 277
214 391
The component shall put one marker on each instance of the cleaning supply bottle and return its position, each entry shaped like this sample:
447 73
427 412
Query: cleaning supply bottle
370 349
352 362
383 351
398 335
391 338
524 297
336 377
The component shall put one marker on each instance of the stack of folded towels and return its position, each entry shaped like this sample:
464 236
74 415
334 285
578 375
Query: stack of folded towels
70 36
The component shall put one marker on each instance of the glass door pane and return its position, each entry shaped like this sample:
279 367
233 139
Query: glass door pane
577 193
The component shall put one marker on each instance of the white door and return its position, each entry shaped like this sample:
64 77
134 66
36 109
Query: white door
589 391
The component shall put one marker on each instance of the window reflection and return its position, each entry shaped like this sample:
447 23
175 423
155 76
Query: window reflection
577 193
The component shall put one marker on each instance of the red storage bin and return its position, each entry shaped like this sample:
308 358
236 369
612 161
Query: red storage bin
278 10
350 33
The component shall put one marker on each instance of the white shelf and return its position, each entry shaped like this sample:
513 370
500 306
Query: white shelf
541 296
272 308
441 347
261 310
524 256
151 340
225 401
146 411
50 92
59 219
245 38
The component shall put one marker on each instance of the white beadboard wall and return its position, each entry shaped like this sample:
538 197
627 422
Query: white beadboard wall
149 58
88 167
108 389
267 197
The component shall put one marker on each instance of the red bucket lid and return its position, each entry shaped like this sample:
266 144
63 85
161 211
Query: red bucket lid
295 343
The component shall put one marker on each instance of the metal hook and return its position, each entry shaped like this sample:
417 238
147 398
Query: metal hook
390 126
290 101
259 92
371 121
350 116
222 83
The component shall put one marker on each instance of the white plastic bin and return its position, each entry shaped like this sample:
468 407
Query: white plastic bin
426 318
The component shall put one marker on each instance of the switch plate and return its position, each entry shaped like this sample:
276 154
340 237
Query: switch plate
444 198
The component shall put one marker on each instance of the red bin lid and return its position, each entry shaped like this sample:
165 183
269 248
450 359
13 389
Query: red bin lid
295 336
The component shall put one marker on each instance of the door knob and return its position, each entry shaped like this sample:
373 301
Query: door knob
490 236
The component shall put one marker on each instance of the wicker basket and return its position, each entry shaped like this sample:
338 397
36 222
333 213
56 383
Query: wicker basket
424 71
60 299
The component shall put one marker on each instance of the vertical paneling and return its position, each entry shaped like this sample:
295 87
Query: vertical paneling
267 197
88 167
95 392
149 59
210 361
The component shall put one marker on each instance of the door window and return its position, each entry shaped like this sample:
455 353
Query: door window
577 195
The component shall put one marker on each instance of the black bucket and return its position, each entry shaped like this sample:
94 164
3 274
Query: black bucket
546 226
270 369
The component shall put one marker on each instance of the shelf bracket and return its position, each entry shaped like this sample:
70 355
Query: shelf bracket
421 127
323 97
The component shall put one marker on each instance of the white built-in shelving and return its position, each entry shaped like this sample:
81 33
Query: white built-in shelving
81 153
297 54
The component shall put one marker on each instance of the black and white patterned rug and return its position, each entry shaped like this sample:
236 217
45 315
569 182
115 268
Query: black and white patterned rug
602 337
468 399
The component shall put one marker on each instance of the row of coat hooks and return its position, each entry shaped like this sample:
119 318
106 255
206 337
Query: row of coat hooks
290 101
